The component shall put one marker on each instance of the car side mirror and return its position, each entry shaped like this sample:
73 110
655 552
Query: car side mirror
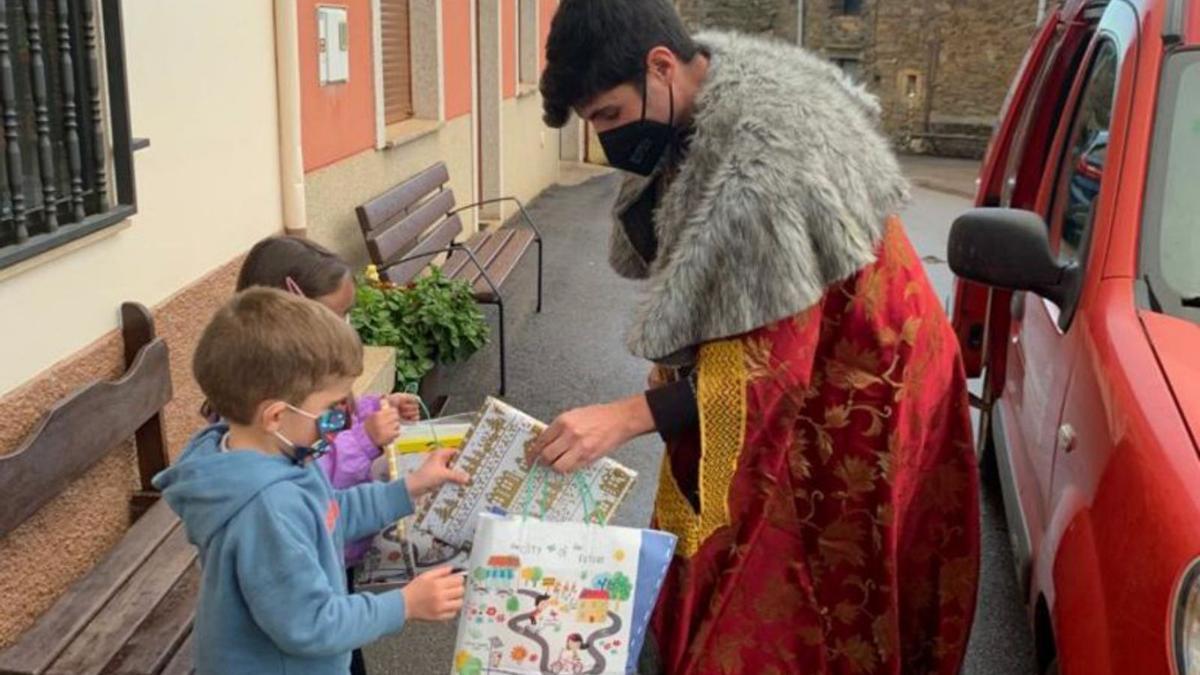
1010 249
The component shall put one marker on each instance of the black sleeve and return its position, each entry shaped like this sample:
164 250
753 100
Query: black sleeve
674 409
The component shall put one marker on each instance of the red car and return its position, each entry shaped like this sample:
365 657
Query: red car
1079 304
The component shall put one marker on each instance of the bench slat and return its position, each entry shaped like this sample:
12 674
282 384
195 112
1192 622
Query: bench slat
108 631
43 642
397 238
491 243
183 663
459 265
78 431
400 199
453 267
503 264
162 631
423 253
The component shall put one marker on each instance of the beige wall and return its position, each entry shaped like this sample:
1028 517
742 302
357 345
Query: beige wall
530 148
202 88
334 191
62 541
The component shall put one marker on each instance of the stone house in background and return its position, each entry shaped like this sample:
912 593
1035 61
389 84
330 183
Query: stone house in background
940 68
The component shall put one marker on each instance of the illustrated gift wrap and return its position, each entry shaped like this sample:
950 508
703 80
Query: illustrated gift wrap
400 552
493 454
546 598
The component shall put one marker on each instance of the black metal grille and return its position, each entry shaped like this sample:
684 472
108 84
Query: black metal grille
55 182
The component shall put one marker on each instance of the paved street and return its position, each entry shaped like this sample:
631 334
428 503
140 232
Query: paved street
572 354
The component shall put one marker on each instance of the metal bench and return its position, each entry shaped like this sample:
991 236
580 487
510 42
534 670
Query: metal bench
132 613
411 225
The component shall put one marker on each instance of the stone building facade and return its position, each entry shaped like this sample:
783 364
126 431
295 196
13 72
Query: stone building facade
940 68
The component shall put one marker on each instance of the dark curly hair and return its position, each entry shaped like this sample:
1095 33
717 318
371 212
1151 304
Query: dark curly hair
595 45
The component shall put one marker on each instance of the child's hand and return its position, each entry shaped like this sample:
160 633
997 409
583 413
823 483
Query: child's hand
407 405
384 425
435 471
436 595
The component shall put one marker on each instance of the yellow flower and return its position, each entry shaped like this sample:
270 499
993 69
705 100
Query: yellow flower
372 273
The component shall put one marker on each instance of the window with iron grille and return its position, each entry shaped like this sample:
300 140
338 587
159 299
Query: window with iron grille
66 165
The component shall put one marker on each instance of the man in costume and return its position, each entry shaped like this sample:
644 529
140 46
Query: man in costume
819 470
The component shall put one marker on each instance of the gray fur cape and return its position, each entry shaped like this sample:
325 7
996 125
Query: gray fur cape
784 191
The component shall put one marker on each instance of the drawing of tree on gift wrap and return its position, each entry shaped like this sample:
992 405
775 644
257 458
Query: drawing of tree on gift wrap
530 576
619 588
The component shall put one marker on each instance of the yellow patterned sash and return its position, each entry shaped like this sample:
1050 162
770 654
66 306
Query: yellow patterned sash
721 394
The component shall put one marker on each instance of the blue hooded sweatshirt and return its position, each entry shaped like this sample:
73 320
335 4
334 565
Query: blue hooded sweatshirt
273 592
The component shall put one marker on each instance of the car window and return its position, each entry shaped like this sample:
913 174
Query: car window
1082 166
1179 246
1171 235
1027 156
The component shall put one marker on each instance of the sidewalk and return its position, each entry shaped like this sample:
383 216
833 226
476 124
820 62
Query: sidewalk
951 176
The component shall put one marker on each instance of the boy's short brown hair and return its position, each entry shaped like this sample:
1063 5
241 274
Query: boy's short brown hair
266 345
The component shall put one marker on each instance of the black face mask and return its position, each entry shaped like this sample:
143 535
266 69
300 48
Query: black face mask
638 146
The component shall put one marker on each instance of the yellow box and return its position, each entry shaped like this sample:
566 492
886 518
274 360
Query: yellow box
420 438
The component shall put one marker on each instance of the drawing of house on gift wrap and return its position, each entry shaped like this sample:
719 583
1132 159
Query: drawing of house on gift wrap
593 605
501 572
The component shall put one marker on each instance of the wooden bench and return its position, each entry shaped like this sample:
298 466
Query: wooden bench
411 225
132 613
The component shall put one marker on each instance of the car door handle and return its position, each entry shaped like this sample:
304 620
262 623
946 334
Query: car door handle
1066 438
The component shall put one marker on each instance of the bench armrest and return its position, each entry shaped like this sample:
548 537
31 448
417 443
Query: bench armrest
497 200
451 249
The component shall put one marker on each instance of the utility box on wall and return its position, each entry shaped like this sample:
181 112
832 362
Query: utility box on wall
333 44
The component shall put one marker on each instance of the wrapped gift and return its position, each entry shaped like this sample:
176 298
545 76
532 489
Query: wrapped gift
400 553
547 597
493 454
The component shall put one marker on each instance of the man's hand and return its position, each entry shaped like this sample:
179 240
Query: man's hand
436 595
580 437
407 405
383 426
435 471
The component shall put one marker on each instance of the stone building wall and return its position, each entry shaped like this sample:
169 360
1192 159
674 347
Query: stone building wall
944 68
941 68
773 17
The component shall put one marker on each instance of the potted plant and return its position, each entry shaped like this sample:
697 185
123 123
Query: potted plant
433 320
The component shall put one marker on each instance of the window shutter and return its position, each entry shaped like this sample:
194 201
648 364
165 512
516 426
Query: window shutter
397 61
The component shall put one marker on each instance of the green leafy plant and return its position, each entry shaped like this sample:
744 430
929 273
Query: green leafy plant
429 321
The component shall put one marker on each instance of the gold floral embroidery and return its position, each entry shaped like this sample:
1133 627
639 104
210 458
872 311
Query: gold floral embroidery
860 655
759 362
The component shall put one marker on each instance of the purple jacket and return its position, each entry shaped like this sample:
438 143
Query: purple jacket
349 464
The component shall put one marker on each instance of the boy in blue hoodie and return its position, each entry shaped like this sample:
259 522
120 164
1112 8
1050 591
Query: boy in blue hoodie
278 369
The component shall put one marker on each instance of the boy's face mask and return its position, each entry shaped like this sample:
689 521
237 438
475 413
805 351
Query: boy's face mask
638 146
329 424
